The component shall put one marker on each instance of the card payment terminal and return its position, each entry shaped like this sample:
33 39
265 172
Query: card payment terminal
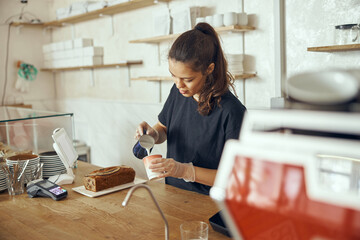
45 188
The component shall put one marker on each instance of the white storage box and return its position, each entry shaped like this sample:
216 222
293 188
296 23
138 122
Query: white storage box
83 42
53 47
77 52
96 6
111 3
69 53
59 55
93 51
68 44
77 12
78 8
161 23
56 63
46 48
90 61
75 62
59 46
184 19
62 12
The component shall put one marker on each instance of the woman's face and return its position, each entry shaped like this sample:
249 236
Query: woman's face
187 81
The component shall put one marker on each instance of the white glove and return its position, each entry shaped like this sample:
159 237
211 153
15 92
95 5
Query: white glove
171 168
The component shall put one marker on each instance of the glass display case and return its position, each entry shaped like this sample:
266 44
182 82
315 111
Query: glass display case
24 129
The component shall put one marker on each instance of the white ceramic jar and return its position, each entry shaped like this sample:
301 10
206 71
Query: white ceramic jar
347 34
218 20
199 20
230 18
242 19
209 20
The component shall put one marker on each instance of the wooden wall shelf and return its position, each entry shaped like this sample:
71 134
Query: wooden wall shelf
157 39
335 48
27 24
163 78
114 65
110 10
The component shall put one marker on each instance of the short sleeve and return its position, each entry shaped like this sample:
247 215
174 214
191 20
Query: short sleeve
165 115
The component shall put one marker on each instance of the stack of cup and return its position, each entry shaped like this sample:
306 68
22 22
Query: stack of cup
226 19
218 20
199 20
233 18
235 63
242 19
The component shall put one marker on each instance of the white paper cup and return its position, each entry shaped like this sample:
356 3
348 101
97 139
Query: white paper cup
230 18
151 175
199 20
209 20
218 20
242 19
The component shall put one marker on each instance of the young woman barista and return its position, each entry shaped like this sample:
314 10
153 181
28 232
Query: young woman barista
200 113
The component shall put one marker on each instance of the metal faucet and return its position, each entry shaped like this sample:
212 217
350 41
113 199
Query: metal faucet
129 194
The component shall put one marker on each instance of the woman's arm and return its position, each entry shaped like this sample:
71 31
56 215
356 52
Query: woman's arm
205 176
168 167
160 130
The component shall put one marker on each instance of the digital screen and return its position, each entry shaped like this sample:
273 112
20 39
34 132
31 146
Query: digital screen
46 184
57 190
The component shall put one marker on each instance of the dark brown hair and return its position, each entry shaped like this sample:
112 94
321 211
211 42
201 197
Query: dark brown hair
199 48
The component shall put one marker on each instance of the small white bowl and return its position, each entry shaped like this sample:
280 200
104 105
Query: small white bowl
324 88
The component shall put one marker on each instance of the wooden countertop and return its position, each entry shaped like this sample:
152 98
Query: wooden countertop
82 217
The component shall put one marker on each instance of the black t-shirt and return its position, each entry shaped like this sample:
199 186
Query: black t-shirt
192 137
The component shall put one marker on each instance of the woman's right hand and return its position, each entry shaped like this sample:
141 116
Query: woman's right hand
145 127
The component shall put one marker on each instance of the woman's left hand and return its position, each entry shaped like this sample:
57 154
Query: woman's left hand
168 167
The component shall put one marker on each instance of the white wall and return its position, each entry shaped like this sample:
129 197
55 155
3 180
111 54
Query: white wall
25 44
310 24
107 113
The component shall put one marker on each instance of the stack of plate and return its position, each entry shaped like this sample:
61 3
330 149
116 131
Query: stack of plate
235 63
34 160
52 164
3 183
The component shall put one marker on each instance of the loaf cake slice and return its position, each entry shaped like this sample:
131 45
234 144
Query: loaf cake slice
108 177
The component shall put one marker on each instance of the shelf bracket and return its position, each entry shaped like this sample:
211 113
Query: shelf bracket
159 91
112 22
18 28
72 29
54 80
129 76
158 53
45 29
